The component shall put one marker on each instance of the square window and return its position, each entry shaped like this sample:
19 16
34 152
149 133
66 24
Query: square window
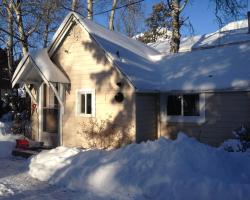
183 105
85 103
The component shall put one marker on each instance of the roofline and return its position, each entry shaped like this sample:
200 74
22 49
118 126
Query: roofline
217 46
61 32
28 58
18 69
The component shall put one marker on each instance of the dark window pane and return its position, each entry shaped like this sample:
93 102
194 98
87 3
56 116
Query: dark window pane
82 103
191 105
89 108
56 105
174 105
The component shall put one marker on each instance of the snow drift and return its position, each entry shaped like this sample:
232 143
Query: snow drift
163 169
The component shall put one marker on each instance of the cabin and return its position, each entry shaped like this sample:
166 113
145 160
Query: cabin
98 88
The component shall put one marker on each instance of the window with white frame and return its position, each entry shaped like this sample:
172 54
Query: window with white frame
185 108
85 103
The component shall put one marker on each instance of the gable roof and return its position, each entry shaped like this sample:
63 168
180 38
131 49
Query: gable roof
128 55
36 67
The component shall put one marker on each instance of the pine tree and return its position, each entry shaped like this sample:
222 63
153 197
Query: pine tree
158 23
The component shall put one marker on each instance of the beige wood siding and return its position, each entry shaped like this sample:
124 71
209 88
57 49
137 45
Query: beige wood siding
87 67
146 117
224 112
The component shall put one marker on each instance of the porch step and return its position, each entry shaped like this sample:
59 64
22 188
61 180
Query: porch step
26 153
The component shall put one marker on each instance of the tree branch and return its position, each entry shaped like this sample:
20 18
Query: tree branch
183 5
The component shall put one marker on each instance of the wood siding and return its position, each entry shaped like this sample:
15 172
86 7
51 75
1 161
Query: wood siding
146 117
224 112
87 67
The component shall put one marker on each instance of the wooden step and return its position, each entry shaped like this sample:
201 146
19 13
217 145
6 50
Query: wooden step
25 153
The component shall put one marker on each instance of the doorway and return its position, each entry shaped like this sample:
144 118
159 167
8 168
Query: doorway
50 117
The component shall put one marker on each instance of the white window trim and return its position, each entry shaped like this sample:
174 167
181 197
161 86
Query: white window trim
78 101
183 119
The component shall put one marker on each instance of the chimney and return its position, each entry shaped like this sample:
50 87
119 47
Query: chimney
248 18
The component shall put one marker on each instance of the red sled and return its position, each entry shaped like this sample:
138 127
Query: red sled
22 144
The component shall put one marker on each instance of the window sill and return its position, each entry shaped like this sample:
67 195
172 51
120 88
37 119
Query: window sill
85 115
184 119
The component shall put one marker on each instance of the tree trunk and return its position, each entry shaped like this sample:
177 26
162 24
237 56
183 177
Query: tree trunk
90 9
112 15
46 36
47 25
176 25
18 10
10 40
74 5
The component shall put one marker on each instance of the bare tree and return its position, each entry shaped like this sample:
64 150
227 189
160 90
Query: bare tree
176 6
10 45
226 10
17 7
112 15
74 5
90 9
49 15
129 17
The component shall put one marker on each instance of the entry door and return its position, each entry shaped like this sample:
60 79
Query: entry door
50 133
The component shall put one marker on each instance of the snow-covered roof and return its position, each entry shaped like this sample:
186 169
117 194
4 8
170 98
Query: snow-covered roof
223 67
36 67
235 25
230 33
220 68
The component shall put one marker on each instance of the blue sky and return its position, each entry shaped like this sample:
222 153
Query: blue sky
200 13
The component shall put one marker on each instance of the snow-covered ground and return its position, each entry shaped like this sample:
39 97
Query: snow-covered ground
164 169
15 181
17 184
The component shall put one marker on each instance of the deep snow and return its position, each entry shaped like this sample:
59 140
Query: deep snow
164 169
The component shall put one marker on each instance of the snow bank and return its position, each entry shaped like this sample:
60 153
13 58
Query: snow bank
164 169
7 140
5 191
7 144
